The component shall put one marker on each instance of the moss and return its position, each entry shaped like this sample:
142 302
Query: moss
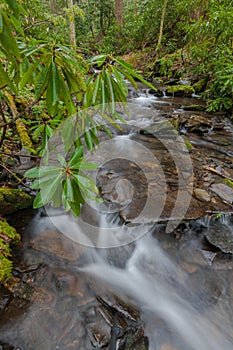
12 200
24 137
180 90
188 144
228 182
8 235
200 85
195 108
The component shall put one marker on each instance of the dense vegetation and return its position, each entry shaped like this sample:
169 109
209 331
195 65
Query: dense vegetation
58 59
174 39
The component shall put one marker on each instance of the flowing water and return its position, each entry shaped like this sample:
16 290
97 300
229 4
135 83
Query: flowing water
128 285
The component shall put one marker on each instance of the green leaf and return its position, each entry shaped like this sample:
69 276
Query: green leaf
53 88
32 173
5 80
8 41
48 130
109 80
13 6
1 22
87 166
41 82
69 190
66 97
99 59
48 192
129 69
69 134
38 201
48 170
61 160
88 140
75 209
28 75
96 89
76 156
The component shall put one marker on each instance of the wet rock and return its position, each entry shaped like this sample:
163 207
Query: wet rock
18 288
58 245
134 339
7 346
111 302
205 286
223 191
167 347
202 195
220 235
5 296
12 200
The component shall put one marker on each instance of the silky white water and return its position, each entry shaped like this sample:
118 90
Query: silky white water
157 284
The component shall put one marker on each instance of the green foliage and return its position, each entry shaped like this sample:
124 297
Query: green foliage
60 83
65 184
7 235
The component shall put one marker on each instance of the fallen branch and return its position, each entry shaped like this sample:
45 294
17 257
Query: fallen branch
213 170
20 155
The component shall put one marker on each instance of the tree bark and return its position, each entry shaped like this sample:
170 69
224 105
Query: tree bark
119 12
135 8
52 10
161 26
71 23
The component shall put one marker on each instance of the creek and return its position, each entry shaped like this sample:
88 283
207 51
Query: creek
144 269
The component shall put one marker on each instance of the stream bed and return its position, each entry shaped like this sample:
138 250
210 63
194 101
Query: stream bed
149 268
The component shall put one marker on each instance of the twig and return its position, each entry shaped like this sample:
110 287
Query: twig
9 171
20 155
20 181
4 125
218 173
5 238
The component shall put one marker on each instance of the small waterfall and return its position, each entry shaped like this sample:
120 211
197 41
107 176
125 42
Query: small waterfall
157 285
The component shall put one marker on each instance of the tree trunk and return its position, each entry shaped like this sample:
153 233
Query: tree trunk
52 6
119 12
71 23
135 8
161 27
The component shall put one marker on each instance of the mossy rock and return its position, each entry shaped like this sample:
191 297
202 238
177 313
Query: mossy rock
8 235
12 200
200 85
180 90
195 108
